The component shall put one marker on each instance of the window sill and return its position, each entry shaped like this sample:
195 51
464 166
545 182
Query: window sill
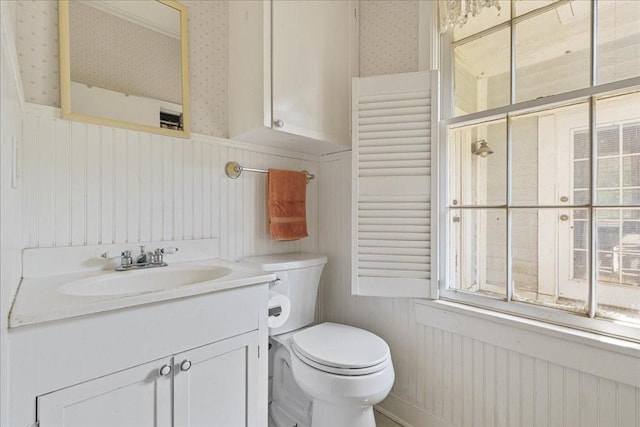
603 356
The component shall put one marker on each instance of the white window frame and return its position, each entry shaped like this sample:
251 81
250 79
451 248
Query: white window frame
440 244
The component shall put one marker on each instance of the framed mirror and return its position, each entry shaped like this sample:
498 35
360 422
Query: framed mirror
125 64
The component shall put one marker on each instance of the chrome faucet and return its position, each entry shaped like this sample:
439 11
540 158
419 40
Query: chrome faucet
143 257
143 260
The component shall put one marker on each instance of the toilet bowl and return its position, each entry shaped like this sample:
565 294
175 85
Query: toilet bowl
325 375
344 370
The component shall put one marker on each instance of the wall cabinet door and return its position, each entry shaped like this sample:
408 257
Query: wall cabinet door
217 385
135 397
290 69
311 68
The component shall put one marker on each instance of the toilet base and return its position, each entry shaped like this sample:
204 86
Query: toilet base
330 415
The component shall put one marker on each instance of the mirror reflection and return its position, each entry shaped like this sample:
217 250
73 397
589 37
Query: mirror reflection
126 62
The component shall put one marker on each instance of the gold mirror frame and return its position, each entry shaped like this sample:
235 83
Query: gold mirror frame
65 77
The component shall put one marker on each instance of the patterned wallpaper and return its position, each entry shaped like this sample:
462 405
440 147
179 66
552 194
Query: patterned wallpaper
208 59
113 53
388 37
388 44
37 45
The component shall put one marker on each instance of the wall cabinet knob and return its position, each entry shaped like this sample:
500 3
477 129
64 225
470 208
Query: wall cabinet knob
185 365
165 370
278 123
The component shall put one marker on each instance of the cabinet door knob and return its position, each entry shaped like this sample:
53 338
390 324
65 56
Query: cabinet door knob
278 123
165 370
185 365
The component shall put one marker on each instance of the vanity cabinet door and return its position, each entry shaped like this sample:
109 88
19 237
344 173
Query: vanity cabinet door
217 385
136 397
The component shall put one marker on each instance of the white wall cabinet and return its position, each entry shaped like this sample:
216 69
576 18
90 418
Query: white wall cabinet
212 385
290 69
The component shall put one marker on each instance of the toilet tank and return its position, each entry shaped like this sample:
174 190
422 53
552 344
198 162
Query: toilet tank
298 278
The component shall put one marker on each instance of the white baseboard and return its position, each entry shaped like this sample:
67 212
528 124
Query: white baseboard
413 416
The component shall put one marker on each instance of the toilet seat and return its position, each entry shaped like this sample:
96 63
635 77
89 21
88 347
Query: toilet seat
341 349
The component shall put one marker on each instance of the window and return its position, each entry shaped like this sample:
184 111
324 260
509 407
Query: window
541 106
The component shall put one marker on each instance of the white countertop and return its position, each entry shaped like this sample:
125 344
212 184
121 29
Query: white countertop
39 299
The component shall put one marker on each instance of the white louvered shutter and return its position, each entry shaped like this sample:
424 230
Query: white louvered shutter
391 185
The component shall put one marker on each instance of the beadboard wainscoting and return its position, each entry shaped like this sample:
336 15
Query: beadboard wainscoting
87 184
457 370
11 101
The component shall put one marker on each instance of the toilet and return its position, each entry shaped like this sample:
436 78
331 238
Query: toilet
323 375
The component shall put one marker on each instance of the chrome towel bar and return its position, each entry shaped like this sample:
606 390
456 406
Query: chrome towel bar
233 171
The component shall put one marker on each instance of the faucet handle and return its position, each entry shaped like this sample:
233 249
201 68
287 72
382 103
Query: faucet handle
157 257
125 256
158 254
126 260
112 254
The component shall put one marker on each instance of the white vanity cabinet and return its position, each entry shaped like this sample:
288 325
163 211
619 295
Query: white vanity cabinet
188 362
212 385
290 70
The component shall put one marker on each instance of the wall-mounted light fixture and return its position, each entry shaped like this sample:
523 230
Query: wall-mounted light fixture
481 148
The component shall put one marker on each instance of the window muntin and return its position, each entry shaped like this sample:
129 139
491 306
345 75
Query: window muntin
522 7
487 18
576 287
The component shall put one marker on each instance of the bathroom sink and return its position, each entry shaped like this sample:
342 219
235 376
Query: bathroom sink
142 281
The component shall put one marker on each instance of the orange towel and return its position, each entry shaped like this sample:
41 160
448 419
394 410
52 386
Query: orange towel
286 204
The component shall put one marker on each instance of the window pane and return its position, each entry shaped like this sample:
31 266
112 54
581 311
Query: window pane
631 171
479 257
552 52
608 197
609 173
581 197
487 18
476 176
618 260
631 197
618 147
631 138
481 73
581 174
581 145
544 143
618 40
608 141
550 257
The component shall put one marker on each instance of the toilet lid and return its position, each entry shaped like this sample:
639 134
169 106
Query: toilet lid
340 346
